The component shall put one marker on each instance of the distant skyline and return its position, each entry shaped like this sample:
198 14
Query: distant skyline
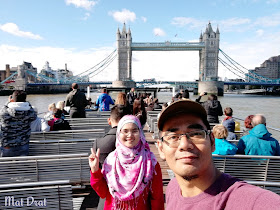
81 33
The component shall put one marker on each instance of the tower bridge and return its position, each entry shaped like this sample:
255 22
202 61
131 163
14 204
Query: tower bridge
208 47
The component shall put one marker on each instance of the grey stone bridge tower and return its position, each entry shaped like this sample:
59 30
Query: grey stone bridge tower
208 62
124 51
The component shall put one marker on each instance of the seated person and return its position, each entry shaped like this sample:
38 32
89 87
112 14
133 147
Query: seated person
223 147
61 105
58 123
51 110
259 140
39 124
229 123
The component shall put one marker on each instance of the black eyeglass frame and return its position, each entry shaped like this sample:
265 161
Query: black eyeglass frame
207 132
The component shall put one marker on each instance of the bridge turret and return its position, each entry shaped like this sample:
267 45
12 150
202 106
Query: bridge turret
209 55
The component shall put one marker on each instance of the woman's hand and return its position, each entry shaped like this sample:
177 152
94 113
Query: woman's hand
93 160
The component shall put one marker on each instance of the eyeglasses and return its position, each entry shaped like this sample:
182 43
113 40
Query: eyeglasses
132 132
196 137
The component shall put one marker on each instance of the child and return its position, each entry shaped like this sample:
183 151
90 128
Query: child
131 176
223 147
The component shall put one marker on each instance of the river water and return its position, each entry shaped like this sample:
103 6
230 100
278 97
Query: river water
242 105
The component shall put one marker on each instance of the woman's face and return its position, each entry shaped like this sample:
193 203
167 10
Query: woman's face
130 135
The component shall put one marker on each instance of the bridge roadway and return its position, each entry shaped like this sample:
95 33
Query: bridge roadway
186 83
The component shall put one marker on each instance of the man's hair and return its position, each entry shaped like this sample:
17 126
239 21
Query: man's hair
258 119
186 94
19 96
220 131
104 90
248 122
57 113
118 111
212 97
228 111
75 86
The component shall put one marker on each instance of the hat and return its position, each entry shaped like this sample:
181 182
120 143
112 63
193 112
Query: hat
181 106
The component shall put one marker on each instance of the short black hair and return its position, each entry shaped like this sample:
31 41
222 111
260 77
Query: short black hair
19 96
186 94
75 86
118 111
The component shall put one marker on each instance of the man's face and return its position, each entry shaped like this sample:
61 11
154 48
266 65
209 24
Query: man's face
188 159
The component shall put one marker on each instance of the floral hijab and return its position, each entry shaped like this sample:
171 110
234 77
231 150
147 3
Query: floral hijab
128 171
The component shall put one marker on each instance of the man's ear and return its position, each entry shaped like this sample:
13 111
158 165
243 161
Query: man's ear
212 140
109 121
160 149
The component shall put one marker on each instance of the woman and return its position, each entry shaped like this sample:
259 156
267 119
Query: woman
130 177
61 105
121 100
223 147
139 111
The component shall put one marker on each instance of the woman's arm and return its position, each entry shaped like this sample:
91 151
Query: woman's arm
99 184
157 200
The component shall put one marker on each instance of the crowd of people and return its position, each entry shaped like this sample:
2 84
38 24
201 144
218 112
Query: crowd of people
124 171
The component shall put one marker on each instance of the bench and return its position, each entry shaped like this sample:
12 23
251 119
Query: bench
94 125
68 134
48 195
73 167
57 147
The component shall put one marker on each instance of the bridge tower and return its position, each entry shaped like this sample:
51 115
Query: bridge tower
124 54
208 56
208 62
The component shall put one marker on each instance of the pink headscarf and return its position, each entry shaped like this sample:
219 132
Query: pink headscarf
128 171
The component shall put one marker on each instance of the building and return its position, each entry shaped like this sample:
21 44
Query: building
269 69
4 74
58 74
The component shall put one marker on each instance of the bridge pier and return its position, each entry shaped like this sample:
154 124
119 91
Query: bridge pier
211 87
122 84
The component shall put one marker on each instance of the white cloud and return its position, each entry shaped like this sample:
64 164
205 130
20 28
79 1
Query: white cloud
272 1
235 22
12 28
144 19
260 32
123 16
192 22
269 21
158 32
85 4
87 15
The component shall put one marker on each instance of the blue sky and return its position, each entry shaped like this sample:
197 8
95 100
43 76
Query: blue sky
83 32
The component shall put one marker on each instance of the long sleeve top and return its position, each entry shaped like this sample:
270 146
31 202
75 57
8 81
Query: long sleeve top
155 195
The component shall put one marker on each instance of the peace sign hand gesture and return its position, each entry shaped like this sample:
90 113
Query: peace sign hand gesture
93 160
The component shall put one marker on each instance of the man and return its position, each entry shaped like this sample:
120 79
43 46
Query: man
259 140
131 96
187 145
212 106
15 119
77 102
104 101
107 144
229 123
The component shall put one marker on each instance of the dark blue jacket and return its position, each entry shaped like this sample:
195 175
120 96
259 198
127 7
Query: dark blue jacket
258 142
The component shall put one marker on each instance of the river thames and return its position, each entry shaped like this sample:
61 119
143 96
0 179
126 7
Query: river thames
242 105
